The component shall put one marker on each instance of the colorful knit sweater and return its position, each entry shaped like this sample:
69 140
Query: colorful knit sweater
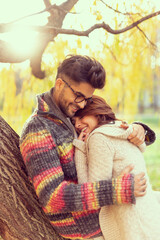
48 153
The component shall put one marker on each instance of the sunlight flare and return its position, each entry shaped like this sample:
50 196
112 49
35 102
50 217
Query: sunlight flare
22 40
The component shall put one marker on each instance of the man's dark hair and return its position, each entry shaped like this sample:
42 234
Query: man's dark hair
83 69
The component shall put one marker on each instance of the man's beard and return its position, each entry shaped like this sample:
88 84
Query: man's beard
64 107
64 110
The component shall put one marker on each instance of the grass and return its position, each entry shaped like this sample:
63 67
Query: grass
152 153
152 158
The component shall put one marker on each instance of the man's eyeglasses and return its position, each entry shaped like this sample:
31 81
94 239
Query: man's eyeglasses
79 96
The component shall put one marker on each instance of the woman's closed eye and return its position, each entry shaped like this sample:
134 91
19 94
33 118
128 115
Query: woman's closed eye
75 120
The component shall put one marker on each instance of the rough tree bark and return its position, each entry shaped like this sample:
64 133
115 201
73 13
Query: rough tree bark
21 217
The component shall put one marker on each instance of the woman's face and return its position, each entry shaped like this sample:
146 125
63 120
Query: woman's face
86 123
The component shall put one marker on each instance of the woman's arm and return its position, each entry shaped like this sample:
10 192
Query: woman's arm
81 160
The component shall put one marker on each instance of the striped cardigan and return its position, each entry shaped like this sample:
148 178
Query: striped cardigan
48 153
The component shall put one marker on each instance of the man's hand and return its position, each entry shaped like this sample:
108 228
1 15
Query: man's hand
139 185
139 181
137 137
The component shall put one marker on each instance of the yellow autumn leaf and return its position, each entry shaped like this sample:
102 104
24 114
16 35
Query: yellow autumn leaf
79 43
95 2
98 16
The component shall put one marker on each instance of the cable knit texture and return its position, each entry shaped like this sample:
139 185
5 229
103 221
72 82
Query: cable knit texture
48 153
105 154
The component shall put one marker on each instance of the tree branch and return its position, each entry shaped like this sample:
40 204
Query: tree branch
68 5
126 13
51 29
48 32
56 20
47 9
47 3
144 34
108 28
114 56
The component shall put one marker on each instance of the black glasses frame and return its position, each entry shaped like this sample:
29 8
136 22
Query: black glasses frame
78 95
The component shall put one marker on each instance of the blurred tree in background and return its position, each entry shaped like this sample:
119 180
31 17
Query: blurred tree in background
131 59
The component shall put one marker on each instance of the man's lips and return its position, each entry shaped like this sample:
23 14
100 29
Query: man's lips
75 109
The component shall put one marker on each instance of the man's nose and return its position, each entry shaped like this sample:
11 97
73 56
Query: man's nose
82 104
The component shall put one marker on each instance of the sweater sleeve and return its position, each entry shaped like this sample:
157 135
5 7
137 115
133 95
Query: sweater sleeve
56 193
150 136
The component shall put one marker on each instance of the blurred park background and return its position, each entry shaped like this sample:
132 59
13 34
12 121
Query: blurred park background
131 60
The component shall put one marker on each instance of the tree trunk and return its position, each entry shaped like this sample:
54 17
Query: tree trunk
21 217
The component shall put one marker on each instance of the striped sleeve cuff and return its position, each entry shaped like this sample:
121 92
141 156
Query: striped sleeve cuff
123 189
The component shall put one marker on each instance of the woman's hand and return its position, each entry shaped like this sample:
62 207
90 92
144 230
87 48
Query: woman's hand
83 136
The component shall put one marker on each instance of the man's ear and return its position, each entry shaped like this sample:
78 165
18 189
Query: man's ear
59 83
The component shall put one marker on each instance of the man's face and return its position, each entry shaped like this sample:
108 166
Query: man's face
67 96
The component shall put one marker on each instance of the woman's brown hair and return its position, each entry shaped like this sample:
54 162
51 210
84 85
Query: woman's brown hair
99 108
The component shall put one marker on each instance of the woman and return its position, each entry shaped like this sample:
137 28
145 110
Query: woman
102 151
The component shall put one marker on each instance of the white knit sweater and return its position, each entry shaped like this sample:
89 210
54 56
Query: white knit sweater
105 154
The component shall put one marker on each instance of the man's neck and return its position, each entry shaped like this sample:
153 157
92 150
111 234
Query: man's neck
54 96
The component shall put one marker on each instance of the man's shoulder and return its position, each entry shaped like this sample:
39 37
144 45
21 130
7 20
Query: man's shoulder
47 123
33 124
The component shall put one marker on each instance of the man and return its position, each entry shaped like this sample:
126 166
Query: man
47 150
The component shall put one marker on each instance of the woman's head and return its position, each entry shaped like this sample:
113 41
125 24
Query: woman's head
95 114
